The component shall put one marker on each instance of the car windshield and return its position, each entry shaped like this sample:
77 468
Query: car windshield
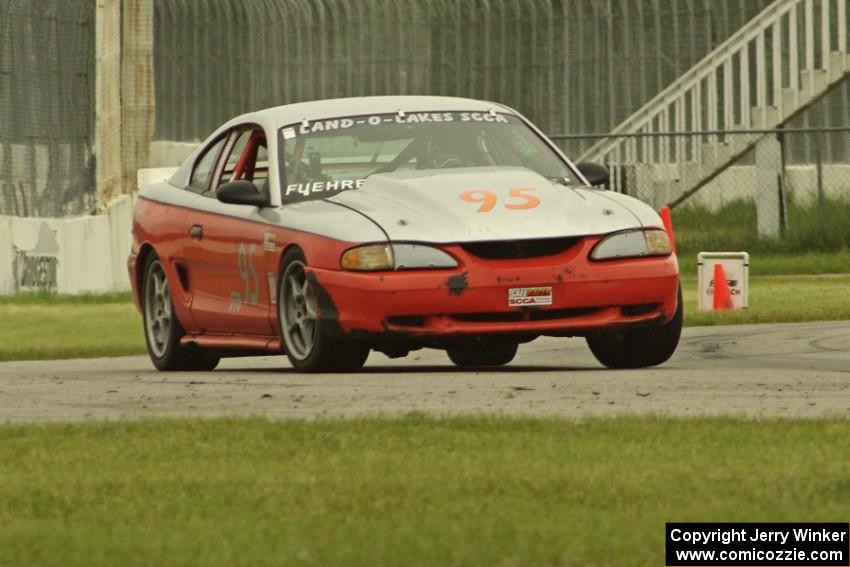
324 157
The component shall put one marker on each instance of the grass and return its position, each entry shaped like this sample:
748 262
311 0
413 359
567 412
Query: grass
411 491
767 264
66 327
54 327
779 299
734 227
51 298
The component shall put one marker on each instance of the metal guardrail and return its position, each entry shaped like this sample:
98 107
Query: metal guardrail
688 134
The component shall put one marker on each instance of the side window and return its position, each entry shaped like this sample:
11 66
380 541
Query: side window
247 158
235 154
204 167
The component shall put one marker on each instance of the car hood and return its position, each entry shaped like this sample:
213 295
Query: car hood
428 207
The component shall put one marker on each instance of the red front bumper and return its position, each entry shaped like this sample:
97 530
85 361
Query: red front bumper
473 298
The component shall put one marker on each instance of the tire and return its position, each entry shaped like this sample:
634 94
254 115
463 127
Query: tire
639 347
162 329
483 353
306 329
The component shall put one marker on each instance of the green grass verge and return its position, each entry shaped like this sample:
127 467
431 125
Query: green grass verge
735 227
71 327
66 328
411 491
767 264
779 299
51 298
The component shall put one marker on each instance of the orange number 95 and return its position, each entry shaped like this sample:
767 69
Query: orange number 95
488 199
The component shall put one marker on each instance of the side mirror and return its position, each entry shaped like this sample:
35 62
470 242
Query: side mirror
595 173
242 192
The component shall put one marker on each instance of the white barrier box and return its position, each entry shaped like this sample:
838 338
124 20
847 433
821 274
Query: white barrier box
736 267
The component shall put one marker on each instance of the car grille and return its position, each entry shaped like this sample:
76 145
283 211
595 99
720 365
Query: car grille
519 249
513 316
525 315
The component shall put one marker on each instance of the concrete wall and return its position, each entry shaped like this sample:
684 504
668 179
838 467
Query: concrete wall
170 154
84 254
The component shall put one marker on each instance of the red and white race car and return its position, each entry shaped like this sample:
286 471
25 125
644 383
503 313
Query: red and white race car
326 229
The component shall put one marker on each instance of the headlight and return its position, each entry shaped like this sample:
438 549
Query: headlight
632 244
411 256
373 257
368 258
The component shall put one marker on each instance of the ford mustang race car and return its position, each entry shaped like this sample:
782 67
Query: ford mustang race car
327 229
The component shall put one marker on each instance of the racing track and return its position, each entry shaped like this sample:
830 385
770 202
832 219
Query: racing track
787 370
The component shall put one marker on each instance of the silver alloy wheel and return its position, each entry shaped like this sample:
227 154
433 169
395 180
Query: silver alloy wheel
298 311
158 318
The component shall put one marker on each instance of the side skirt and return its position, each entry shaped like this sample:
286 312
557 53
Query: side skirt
256 345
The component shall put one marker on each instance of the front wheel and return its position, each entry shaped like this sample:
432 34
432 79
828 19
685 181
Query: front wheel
639 347
162 329
305 329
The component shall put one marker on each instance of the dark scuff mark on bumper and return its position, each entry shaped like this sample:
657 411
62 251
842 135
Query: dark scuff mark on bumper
378 337
457 284
328 311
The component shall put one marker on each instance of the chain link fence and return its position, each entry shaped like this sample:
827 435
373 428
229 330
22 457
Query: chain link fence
569 65
46 107
785 190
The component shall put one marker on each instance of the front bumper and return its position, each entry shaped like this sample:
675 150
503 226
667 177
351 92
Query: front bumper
132 269
473 298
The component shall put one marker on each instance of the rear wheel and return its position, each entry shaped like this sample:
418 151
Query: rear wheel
483 353
305 330
162 329
639 347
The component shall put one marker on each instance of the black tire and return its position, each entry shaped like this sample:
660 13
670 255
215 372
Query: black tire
483 353
307 324
639 347
162 329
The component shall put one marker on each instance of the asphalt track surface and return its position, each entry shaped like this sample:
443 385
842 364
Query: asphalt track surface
784 370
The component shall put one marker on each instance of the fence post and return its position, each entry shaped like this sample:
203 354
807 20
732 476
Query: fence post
780 182
107 100
768 154
137 89
819 169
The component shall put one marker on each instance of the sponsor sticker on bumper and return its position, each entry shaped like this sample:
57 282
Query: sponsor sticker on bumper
527 296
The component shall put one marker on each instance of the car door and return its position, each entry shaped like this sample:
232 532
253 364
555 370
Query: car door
224 253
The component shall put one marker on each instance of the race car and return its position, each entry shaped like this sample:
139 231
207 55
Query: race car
327 229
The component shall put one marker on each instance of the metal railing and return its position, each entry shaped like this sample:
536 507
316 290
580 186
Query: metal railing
790 192
780 63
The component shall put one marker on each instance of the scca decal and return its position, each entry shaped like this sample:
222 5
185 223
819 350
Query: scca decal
527 296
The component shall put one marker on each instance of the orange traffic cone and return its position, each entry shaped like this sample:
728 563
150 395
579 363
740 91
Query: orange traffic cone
668 226
722 296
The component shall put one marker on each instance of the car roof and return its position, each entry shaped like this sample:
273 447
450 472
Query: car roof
279 116
356 106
